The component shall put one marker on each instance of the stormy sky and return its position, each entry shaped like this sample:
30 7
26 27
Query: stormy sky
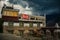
49 7
40 7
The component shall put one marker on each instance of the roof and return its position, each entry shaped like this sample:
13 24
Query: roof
9 8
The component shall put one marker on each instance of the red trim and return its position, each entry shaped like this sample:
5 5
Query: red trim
10 18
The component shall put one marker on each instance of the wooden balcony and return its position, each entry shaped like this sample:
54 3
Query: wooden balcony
9 18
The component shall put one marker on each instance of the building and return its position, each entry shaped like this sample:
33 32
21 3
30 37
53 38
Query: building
21 24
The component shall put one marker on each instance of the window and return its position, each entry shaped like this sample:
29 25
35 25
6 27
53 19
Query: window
16 24
41 25
14 13
7 13
21 33
10 23
26 24
34 24
10 13
21 24
31 24
39 19
32 18
19 17
36 18
5 23
4 12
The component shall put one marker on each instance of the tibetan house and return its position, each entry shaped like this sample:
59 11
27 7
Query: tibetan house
21 24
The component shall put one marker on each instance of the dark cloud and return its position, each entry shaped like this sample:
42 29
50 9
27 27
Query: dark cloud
41 6
45 5
51 8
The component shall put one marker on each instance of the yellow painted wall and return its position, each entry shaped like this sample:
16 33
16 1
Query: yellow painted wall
10 13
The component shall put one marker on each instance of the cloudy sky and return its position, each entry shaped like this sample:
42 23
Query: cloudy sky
40 7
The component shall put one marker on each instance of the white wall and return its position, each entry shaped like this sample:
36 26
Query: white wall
16 24
26 24
5 24
34 24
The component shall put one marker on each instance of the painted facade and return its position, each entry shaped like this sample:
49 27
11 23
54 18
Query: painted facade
21 24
